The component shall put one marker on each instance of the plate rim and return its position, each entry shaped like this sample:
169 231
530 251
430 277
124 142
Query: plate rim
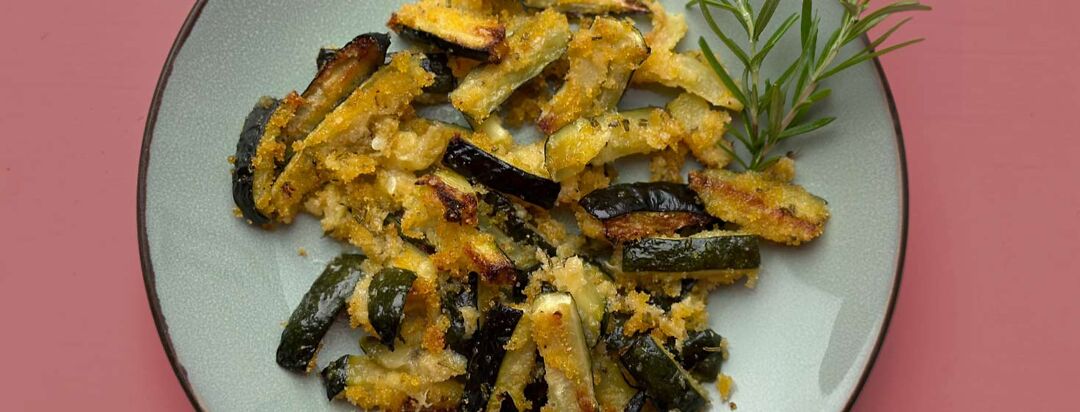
147 265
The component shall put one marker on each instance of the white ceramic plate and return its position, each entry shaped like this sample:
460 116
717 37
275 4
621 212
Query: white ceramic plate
803 340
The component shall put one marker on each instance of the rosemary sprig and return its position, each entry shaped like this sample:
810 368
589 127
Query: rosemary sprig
775 109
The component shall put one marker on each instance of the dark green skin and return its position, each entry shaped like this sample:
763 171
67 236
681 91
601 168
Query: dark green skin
485 168
656 372
244 172
335 376
697 357
316 312
611 331
617 200
518 228
386 302
489 348
692 254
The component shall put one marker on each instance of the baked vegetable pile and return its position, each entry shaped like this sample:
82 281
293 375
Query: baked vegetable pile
473 294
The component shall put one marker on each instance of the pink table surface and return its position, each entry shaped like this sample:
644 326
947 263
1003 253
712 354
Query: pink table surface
988 318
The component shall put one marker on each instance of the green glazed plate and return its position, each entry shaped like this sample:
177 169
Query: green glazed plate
803 340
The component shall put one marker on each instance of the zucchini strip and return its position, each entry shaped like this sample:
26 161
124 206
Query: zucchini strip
386 302
590 6
316 312
640 225
257 153
703 354
559 335
705 129
335 376
338 77
707 251
487 169
662 378
453 30
539 41
516 370
487 355
602 57
777 211
339 147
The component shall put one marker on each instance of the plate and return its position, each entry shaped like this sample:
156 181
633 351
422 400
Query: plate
803 340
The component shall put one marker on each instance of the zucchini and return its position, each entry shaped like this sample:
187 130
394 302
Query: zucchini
705 129
386 302
335 376
516 371
337 78
464 296
613 329
438 64
539 41
662 378
602 56
487 169
583 282
590 6
487 354
453 30
253 174
640 225
316 311
703 354
325 55
457 196
339 148
707 251
637 403
515 221
664 301
605 138
778 211
558 331
621 199
632 211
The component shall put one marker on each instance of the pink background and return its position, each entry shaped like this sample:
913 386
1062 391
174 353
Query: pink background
988 316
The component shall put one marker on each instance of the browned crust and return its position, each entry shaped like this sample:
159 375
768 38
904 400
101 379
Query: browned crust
500 271
780 217
459 207
635 226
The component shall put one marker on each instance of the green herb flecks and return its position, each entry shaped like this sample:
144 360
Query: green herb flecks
775 109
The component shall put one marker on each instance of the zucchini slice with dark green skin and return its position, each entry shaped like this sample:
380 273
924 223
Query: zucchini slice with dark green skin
702 354
514 221
386 302
487 354
487 169
316 311
590 6
612 331
453 30
560 336
338 76
708 251
244 173
621 199
662 378
335 377
438 64
516 370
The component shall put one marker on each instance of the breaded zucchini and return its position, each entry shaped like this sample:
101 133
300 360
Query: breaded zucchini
602 57
777 211
608 137
454 30
340 146
705 129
